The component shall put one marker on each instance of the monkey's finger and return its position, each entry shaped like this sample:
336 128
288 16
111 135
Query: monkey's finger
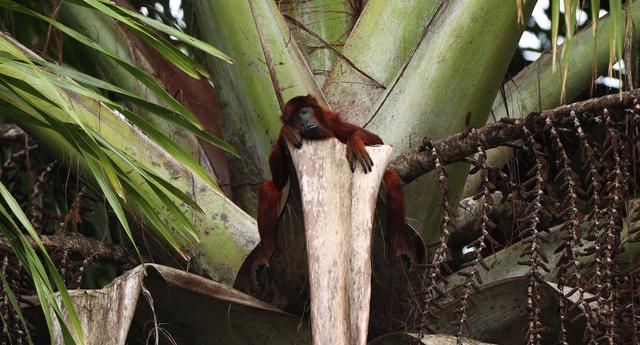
352 163
351 158
369 160
365 160
362 161
365 164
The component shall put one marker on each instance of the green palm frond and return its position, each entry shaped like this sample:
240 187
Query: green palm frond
40 275
53 97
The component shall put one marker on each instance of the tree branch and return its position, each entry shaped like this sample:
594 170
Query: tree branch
457 147
83 247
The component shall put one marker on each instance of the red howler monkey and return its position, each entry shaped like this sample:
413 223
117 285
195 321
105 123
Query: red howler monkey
302 117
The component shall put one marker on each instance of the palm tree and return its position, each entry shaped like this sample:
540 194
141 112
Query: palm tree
174 133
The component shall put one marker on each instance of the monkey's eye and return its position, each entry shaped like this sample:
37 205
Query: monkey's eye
303 112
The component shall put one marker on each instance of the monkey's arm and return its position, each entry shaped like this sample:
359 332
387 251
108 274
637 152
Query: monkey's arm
356 139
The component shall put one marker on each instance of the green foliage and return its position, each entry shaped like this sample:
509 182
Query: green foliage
45 95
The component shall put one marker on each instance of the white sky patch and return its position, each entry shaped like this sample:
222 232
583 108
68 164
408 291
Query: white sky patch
529 40
468 249
540 17
613 83
175 7
581 17
530 55
158 6
543 4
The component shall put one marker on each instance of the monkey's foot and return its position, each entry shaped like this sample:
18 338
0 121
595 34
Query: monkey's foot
259 263
411 254
419 248
403 251
258 271
407 256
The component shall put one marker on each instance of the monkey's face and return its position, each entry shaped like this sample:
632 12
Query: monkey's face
299 114
309 125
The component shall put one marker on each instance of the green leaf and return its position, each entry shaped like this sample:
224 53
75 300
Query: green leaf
14 304
570 11
90 150
152 216
134 71
111 197
595 15
151 177
617 36
154 109
48 90
180 35
34 266
165 48
555 24
172 148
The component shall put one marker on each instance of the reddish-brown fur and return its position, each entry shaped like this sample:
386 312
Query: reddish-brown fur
329 125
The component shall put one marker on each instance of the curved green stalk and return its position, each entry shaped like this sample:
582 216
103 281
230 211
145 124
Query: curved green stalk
266 63
331 20
384 36
456 69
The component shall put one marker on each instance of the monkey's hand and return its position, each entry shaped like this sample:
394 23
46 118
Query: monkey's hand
356 153
292 136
